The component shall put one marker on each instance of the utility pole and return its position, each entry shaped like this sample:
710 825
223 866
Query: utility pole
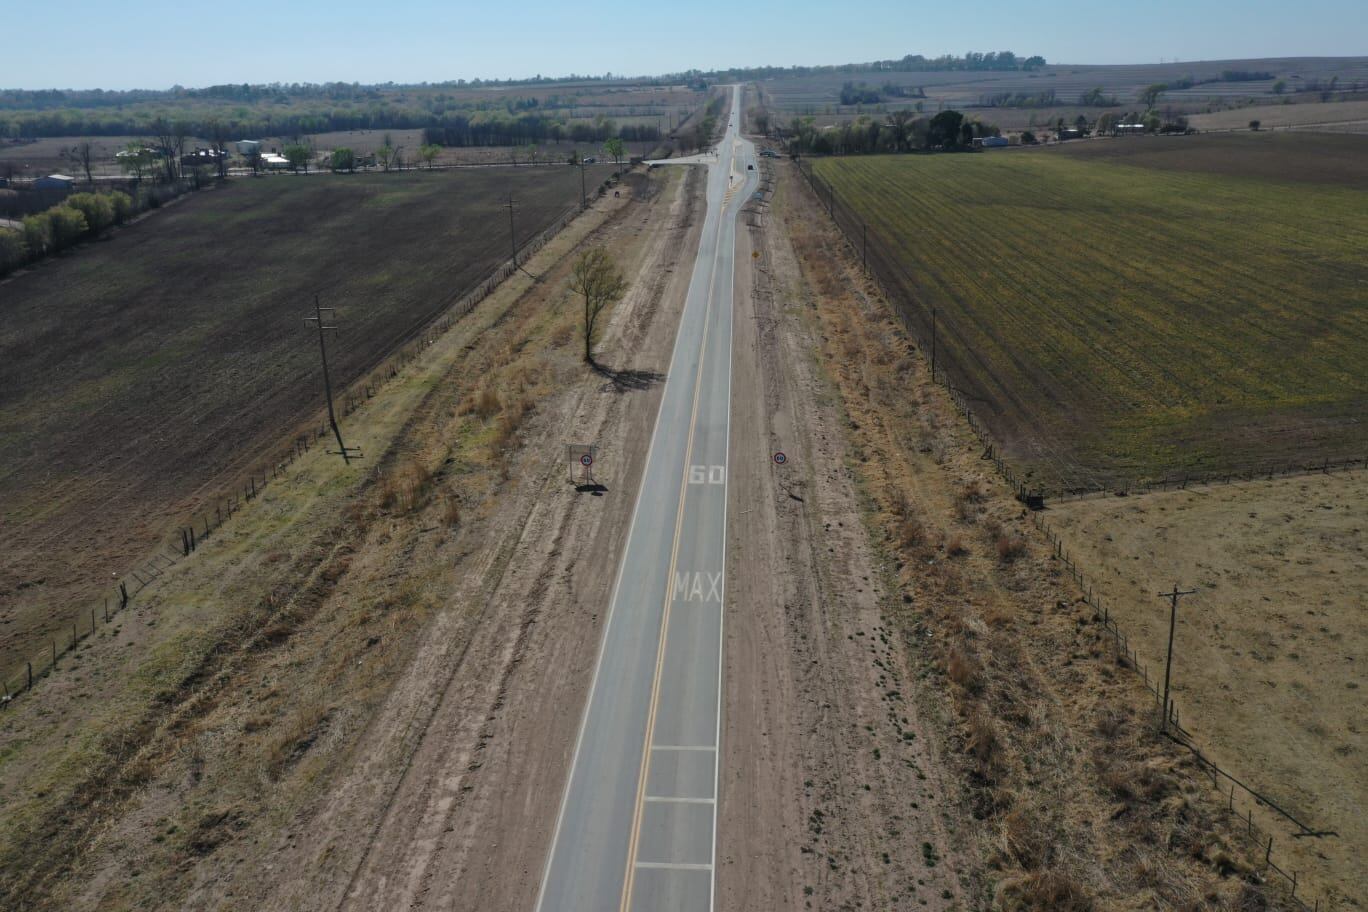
864 247
933 343
512 229
317 319
584 200
1168 662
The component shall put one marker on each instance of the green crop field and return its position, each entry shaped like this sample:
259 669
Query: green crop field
1117 322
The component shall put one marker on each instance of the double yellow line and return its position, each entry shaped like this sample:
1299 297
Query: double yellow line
634 839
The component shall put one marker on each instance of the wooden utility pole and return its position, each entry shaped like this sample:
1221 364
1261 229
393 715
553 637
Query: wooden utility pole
512 228
1168 662
584 198
933 343
323 328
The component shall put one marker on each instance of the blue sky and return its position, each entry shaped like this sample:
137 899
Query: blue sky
156 43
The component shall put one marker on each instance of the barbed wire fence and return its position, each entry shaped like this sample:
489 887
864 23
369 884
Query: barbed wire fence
869 250
184 540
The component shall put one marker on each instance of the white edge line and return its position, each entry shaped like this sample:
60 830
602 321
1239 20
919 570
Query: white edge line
612 603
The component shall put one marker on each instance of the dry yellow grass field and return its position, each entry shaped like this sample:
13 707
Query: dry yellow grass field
1268 669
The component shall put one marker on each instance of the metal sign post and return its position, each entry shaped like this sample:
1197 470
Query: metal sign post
580 459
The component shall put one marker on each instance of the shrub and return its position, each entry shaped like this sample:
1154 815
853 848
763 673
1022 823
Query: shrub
963 670
1010 546
123 206
12 250
96 207
68 226
38 234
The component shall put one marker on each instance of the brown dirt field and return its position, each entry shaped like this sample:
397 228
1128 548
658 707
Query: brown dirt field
141 374
1286 157
1067 797
1268 671
1348 114
286 675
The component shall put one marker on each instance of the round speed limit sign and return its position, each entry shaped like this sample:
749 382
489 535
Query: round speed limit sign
586 460
780 459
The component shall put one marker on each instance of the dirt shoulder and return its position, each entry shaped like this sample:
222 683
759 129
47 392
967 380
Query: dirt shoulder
1268 651
357 638
832 794
1059 794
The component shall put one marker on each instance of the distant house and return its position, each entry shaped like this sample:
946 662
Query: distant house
208 157
1130 128
995 142
273 161
248 146
54 182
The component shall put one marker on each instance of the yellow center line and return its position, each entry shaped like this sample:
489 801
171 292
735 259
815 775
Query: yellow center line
628 882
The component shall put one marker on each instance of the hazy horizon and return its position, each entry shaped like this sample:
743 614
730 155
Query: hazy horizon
167 44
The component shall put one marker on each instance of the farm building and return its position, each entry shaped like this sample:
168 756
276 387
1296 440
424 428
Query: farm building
991 142
248 146
1130 128
273 161
200 156
54 182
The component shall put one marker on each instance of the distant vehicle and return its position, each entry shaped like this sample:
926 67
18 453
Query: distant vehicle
590 160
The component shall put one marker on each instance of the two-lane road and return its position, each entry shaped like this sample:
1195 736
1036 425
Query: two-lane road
637 829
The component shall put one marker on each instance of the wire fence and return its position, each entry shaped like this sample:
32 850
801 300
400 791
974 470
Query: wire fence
959 366
918 323
21 678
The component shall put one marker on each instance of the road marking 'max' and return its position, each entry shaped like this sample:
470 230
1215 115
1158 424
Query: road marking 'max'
692 586
630 878
607 626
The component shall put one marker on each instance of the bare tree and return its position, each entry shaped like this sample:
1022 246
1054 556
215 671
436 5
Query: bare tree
165 136
84 152
598 280
218 141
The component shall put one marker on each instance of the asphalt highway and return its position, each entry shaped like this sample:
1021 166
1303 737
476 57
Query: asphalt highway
637 828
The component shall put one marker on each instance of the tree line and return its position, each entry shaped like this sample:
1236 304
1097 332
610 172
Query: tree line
460 131
948 131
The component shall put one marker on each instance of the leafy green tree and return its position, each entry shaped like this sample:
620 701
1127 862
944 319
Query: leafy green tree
136 159
1255 125
945 129
385 155
1149 96
298 155
428 152
614 146
596 278
343 160
1280 86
